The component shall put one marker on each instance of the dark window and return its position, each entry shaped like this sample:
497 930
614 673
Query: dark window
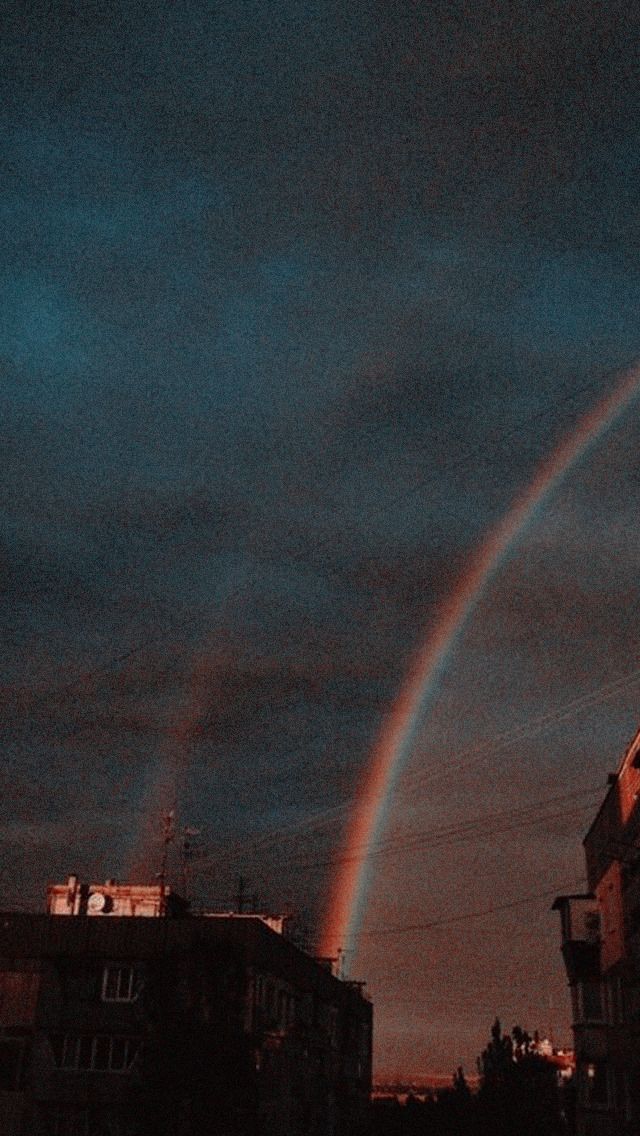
282 1009
69 1052
119 983
592 926
120 1052
11 1064
99 1054
621 1090
592 1001
615 991
66 1120
597 1083
78 1120
84 1050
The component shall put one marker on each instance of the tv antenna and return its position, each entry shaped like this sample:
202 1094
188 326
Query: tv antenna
189 850
168 836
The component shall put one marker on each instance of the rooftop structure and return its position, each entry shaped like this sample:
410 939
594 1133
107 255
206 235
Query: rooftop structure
134 1016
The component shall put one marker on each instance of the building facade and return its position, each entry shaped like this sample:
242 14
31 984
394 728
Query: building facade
123 1022
601 950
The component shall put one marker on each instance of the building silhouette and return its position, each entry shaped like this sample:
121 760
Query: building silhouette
122 1015
601 950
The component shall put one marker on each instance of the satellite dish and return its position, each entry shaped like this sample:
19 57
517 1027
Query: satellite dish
96 903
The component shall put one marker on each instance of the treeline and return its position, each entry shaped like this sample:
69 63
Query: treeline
518 1095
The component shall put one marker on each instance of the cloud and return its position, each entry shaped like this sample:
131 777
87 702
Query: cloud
280 344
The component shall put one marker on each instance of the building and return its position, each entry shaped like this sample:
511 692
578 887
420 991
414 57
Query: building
121 1015
601 950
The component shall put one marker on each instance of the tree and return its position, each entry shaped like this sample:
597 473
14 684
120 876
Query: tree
518 1093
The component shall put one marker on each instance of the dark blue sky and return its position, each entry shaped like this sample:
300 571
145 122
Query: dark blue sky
293 300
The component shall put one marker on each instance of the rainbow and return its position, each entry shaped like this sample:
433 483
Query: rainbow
348 896
162 795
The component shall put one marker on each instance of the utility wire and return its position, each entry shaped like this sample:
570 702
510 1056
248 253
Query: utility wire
464 916
485 826
480 828
489 747
464 836
540 724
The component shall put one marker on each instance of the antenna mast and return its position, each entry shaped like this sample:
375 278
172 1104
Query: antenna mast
168 836
188 852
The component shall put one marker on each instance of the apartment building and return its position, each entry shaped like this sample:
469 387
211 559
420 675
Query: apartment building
122 1015
601 950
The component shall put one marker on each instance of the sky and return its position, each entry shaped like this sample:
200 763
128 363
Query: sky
295 300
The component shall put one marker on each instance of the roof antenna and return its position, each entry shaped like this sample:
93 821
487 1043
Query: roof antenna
168 836
188 852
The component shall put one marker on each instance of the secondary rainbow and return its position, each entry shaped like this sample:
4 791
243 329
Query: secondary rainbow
348 897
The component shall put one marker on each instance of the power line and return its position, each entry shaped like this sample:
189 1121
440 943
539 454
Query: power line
489 747
463 835
483 827
464 916
533 726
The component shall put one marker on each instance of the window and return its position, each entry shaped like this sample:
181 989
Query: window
292 1011
78 1120
592 926
597 1084
282 1009
615 1001
11 1064
99 1054
66 1120
620 1093
119 983
591 995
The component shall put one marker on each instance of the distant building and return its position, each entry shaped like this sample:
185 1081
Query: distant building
601 950
133 1017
